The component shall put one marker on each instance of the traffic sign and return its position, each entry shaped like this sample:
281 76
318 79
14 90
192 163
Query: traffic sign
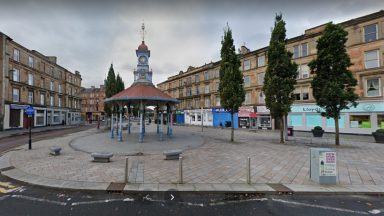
30 110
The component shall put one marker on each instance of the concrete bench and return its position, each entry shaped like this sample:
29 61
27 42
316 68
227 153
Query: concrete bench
172 154
54 150
102 156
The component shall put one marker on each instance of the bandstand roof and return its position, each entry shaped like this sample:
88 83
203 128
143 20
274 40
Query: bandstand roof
140 91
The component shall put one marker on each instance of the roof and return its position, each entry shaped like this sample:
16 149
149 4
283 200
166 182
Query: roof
142 46
142 92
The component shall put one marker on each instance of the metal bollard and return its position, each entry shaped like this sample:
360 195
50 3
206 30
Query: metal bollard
126 176
248 170
180 170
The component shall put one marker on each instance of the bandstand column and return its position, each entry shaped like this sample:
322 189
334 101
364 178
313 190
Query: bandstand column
161 125
157 119
141 135
170 135
168 119
121 124
112 125
129 119
117 124
143 120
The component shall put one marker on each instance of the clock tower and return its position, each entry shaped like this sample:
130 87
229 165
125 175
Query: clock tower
142 74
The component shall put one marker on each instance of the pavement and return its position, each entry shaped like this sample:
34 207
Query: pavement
21 131
210 163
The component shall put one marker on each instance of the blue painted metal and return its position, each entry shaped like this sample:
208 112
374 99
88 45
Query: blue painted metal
223 117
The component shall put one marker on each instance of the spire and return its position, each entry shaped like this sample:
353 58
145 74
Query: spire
143 31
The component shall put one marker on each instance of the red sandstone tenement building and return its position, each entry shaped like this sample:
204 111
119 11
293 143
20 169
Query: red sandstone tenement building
197 87
31 78
92 103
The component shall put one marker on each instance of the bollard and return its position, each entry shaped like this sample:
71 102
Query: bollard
180 170
126 176
248 170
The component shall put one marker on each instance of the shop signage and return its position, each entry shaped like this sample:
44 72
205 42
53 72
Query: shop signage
18 106
262 109
218 110
245 111
361 107
327 162
178 112
29 111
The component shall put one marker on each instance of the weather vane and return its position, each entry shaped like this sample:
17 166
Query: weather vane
143 30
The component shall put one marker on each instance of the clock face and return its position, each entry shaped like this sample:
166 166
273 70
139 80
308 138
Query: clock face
142 59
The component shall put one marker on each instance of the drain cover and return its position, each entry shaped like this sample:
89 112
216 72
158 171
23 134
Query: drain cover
280 188
116 187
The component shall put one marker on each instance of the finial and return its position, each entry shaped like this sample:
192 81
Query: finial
142 31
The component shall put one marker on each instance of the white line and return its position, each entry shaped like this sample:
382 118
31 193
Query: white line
39 199
238 201
319 206
96 201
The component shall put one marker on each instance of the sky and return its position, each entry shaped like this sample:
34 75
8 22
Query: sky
88 36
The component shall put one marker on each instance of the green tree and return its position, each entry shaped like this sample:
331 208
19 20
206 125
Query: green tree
333 84
110 88
280 76
231 89
119 84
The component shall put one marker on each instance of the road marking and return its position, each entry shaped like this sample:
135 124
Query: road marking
375 211
97 201
6 187
319 206
39 199
172 197
238 201
4 197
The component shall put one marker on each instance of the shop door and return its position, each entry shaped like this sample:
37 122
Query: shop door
14 118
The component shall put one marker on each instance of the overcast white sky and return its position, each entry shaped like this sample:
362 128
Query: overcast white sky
89 35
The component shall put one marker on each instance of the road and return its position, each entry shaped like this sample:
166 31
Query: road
22 199
15 141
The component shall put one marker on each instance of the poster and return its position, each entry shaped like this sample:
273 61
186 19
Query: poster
327 163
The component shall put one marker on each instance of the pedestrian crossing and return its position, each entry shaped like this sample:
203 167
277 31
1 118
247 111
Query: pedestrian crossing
6 187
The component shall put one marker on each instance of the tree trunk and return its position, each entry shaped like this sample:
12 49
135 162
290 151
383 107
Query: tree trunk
282 130
233 128
337 141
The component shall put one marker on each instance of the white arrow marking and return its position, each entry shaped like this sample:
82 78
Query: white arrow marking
172 197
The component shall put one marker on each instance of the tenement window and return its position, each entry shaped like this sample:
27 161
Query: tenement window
370 33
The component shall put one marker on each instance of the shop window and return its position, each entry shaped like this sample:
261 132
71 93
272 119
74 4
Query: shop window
261 61
331 122
40 117
360 121
370 33
373 87
313 120
296 120
371 59
198 117
380 121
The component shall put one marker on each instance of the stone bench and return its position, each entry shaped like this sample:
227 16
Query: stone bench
102 157
172 154
54 150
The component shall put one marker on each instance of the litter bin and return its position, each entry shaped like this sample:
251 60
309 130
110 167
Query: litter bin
227 124
290 131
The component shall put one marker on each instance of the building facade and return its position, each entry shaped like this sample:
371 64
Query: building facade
92 103
197 88
31 78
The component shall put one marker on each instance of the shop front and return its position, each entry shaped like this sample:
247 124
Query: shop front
246 117
180 119
222 118
194 117
14 116
264 119
365 118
